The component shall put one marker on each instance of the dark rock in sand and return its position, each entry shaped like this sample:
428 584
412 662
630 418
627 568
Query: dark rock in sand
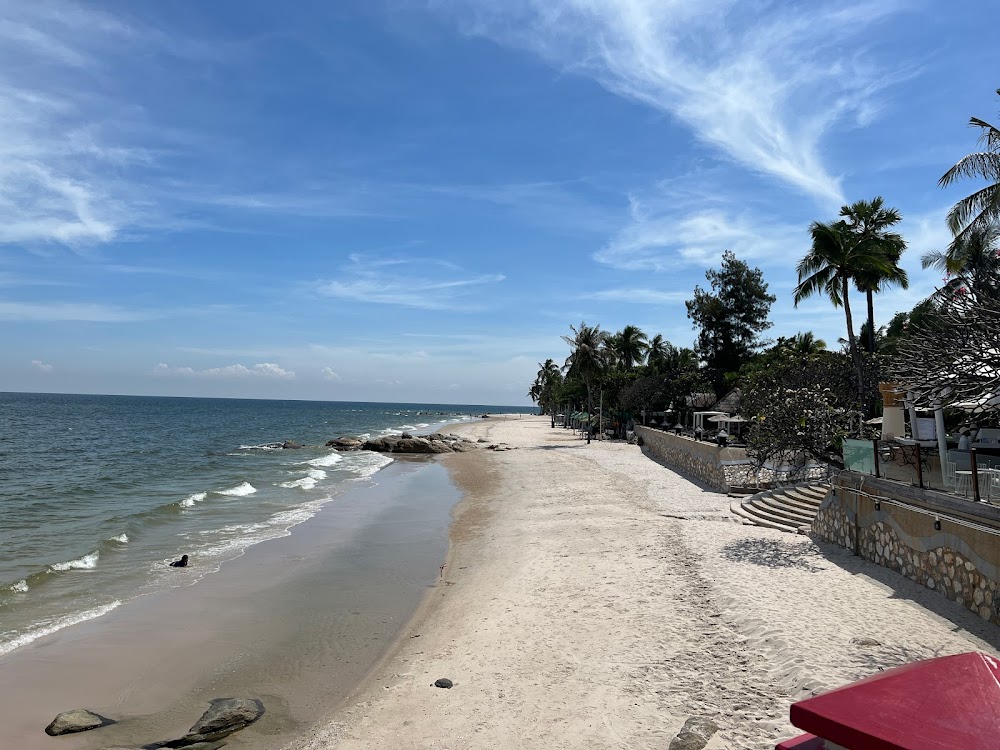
463 446
291 445
482 440
344 444
437 436
224 716
77 720
865 642
440 446
443 682
406 436
694 735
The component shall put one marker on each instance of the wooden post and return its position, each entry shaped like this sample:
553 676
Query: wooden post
920 468
975 474
875 451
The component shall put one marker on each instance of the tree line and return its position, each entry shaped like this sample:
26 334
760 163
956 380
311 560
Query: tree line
799 394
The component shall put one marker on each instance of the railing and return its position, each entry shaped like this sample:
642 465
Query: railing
965 473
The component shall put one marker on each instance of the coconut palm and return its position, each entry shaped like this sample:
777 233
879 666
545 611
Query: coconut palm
971 262
869 220
833 263
587 358
546 381
657 352
981 210
630 346
804 343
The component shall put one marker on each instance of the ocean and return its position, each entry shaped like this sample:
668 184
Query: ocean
99 493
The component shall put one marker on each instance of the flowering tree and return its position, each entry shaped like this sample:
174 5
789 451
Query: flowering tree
802 406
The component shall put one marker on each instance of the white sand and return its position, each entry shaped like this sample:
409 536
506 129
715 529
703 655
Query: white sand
596 599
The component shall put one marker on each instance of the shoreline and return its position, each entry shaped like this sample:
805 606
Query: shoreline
156 661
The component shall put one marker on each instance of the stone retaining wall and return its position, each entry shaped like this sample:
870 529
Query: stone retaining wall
958 561
717 467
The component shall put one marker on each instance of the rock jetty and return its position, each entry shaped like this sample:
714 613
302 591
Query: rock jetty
406 443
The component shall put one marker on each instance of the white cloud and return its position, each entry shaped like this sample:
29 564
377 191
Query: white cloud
261 370
661 238
71 312
41 365
408 283
762 83
329 374
59 168
640 296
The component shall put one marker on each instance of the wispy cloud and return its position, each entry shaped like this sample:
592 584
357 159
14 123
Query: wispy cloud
71 312
260 370
42 366
763 83
58 167
662 236
640 296
423 283
328 373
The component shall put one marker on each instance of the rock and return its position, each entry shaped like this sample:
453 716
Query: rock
694 735
439 446
205 746
463 447
406 436
344 444
483 440
77 720
224 716
443 682
291 445
865 642
412 445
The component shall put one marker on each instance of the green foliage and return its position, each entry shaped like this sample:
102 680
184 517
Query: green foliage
979 211
802 406
730 317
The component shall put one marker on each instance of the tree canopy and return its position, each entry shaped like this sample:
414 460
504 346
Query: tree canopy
730 317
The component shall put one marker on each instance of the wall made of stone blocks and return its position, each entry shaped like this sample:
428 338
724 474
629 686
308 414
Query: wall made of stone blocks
695 458
960 561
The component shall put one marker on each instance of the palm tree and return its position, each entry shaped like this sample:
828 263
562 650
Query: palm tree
836 258
630 346
587 358
546 381
971 262
657 352
981 210
804 343
869 220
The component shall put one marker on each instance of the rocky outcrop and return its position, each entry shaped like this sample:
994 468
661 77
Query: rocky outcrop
345 444
291 445
77 720
435 443
224 716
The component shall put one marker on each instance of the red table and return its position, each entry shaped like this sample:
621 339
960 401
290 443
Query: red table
949 703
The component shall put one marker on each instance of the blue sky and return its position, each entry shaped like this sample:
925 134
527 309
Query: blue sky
411 201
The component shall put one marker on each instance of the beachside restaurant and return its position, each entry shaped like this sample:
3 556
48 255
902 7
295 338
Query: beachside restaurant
914 447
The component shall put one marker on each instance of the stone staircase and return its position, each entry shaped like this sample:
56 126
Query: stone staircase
783 508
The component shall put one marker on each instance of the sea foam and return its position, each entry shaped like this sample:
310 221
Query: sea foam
121 539
328 460
64 622
190 500
239 490
21 587
306 483
87 562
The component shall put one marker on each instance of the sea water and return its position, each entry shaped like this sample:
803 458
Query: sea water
99 493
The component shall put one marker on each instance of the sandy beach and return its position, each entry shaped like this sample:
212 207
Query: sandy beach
593 598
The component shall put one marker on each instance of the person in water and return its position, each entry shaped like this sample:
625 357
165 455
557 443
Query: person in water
182 563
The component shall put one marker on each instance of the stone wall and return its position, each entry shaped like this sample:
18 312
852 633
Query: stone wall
960 560
717 467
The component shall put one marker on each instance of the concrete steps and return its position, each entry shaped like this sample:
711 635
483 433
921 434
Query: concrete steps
783 508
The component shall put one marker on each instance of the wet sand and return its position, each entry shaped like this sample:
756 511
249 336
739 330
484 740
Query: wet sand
297 622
